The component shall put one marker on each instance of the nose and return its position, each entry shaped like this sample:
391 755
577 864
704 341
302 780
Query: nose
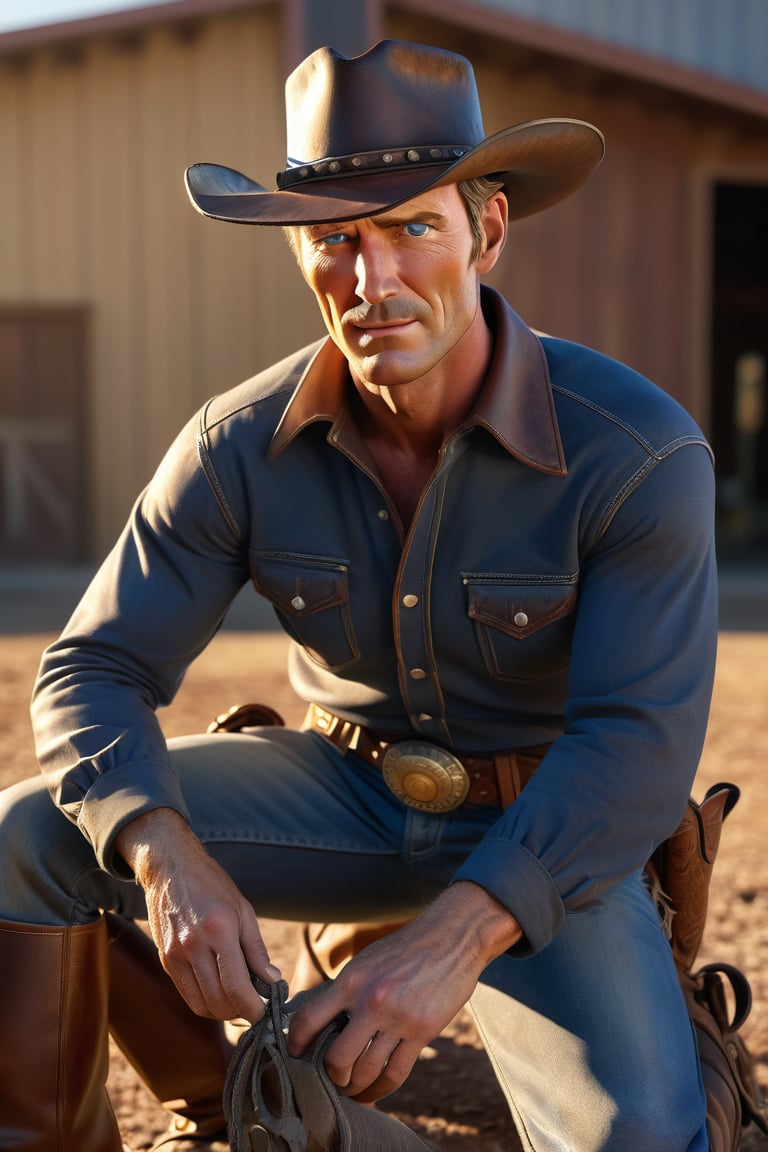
375 268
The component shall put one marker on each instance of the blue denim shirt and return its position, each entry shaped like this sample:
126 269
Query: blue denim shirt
557 583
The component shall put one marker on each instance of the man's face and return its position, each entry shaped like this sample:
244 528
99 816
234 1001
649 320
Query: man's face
398 291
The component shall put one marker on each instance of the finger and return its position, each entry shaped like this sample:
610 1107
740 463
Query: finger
216 998
187 986
208 994
234 977
356 1060
369 1066
309 1020
395 1072
256 954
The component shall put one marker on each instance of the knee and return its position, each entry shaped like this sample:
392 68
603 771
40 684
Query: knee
36 841
660 1123
24 810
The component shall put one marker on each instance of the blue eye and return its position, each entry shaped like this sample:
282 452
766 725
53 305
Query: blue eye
417 228
334 239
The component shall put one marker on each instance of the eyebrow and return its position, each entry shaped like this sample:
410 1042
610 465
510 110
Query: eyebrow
385 219
380 220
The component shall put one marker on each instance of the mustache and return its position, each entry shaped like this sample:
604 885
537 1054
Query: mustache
363 315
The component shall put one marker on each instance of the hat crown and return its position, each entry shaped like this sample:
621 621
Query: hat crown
337 106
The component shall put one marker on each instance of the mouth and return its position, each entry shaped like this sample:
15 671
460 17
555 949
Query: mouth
368 333
372 322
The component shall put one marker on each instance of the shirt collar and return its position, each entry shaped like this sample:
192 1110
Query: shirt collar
515 404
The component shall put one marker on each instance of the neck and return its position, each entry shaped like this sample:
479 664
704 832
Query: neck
405 427
417 416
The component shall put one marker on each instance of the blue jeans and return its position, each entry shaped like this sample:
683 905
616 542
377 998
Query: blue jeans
590 1038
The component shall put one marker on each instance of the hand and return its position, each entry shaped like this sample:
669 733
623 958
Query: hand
403 990
206 933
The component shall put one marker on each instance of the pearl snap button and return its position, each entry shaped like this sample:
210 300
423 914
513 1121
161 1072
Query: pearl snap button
521 619
410 601
298 603
418 674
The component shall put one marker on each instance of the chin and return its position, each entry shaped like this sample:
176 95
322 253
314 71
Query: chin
388 369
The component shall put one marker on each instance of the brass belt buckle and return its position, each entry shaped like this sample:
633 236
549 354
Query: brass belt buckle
425 776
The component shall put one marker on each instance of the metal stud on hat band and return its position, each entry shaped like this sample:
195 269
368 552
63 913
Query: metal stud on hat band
367 133
365 162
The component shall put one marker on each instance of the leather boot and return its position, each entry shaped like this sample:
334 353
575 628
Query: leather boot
54 1053
181 1057
681 869
326 948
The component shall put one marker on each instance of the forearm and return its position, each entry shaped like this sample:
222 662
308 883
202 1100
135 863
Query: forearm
206 933
481 925
148 843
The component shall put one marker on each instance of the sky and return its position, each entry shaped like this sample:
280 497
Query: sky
15 14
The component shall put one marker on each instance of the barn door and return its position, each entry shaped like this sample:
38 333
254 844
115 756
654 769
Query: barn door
42 395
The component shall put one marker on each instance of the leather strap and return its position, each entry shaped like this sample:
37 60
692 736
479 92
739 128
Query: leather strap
241 716
494 780
285 1103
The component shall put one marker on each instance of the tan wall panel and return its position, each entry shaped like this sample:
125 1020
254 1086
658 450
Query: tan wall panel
53 108
161 230
238 123
115 278
215 307
13 284
36 132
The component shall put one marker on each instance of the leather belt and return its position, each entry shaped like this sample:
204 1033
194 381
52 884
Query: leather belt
427 776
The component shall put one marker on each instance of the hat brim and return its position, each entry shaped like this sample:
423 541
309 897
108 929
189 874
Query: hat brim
540 163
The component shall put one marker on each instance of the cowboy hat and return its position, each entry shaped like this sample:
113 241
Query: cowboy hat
368 133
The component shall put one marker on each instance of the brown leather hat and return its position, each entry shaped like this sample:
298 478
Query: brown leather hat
369 133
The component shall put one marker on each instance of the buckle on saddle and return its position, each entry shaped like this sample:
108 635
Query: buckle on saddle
425 776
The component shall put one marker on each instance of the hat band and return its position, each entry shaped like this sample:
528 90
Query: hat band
363 163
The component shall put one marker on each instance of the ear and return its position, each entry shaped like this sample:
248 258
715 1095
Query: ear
494 222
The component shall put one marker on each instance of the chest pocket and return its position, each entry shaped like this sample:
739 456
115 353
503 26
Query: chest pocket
311 597
524 625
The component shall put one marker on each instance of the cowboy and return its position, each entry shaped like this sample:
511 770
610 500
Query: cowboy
493 553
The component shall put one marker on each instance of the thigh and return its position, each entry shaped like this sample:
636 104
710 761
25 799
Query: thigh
591 1040
305 832
48 871
310 834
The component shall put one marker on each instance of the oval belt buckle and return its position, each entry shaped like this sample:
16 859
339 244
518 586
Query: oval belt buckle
425 776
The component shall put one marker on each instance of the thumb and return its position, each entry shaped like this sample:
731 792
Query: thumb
256 954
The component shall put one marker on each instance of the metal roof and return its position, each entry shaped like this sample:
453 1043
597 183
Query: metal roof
728 38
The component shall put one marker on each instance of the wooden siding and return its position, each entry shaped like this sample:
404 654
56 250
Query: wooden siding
95 135
94 140
622 264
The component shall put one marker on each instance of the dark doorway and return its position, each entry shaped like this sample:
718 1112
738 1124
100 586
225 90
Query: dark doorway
739 427
42 396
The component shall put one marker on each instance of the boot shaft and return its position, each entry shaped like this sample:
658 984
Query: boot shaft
54 1049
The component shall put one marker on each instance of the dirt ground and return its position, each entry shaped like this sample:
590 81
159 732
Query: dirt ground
452 1096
